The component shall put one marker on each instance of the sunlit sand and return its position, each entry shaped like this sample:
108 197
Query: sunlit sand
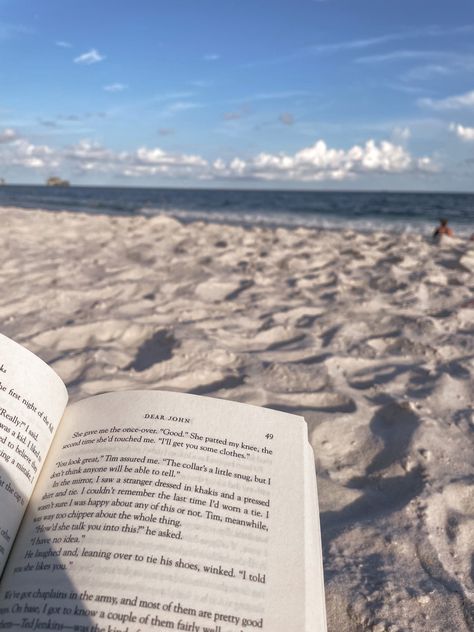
369 336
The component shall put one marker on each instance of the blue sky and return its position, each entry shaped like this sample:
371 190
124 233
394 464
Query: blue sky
340 94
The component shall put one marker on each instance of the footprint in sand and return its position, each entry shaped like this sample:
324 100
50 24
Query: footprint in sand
158 348
387 485
449 520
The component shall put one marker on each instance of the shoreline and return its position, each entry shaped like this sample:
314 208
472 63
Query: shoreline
363 211
187 218
368 336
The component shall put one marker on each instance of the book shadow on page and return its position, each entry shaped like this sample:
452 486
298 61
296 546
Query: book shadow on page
41 566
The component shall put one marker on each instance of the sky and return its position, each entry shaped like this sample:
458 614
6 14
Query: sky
281 94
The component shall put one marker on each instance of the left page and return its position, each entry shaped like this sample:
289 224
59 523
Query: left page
32 402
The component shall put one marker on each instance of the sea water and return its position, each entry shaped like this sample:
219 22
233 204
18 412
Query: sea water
366 211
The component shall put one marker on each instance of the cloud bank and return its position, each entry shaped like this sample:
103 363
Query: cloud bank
310 164
319 162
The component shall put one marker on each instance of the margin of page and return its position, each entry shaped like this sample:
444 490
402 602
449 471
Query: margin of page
266 412
314 598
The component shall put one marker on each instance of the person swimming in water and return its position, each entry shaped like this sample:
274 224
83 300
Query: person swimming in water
443 229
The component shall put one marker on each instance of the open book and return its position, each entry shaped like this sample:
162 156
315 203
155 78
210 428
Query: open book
137 511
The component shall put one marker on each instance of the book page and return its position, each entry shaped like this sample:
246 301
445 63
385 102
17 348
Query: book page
165 511
32 401
315 603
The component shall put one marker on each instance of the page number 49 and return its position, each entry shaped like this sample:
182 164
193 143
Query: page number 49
269 436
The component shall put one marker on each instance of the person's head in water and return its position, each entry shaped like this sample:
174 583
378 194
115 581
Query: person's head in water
443 221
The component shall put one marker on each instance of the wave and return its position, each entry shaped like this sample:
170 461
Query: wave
304 220
360 211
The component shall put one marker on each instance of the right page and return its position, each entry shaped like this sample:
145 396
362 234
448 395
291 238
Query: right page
315 601
161 510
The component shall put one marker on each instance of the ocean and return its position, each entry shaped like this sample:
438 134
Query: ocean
366 211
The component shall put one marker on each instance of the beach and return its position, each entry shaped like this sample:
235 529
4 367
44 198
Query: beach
369 336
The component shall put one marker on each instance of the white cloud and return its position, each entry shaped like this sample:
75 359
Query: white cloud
21 153
311 164
91 57
8 135
146 161
86 151
88 156
464 133
34 156
320 162
63 44
115 87
456 102
211 57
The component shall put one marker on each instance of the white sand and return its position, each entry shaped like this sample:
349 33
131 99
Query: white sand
370 337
